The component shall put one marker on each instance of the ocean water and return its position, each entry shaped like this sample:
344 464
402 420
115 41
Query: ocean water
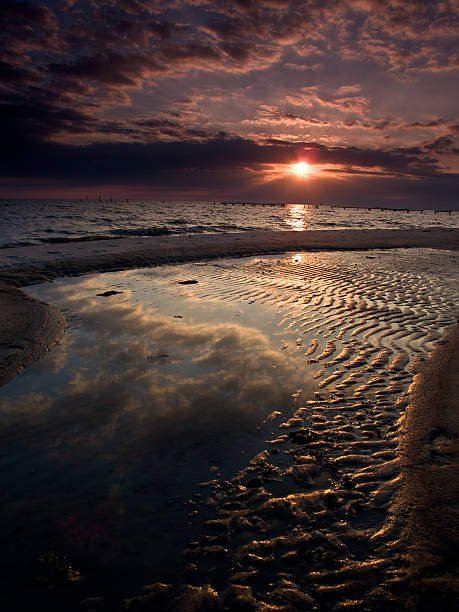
26 222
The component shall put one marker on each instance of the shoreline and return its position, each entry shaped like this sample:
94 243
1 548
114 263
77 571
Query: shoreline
21 266
30 328
429 447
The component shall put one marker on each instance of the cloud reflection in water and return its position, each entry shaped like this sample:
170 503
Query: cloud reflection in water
142 406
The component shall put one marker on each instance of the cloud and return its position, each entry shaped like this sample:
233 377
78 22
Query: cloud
234 84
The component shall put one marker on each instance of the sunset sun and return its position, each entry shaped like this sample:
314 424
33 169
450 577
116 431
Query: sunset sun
300 169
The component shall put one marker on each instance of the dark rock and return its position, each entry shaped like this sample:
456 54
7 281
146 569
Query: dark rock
108 293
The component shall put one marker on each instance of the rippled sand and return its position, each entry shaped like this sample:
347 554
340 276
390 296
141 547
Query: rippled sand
308 523
312 521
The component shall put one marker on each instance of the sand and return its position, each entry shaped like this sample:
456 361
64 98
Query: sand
429 496
27 337
29 329
27 265
428 451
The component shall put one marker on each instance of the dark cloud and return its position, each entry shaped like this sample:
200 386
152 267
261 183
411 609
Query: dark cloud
112 69
444 144
93 89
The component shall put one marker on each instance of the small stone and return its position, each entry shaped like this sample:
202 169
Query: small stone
108 293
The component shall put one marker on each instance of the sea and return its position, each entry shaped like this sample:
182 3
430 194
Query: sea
36 221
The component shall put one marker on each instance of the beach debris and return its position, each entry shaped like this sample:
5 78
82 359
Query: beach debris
187 282
108 293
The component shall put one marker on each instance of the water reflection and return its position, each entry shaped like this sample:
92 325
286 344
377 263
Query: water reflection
109 435
298 216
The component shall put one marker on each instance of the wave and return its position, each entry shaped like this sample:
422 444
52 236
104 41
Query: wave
142 231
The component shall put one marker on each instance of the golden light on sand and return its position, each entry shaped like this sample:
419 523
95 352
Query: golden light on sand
301 168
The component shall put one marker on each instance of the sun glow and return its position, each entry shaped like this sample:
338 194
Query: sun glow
301 168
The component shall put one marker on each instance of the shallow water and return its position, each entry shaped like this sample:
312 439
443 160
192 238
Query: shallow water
291 371
25 222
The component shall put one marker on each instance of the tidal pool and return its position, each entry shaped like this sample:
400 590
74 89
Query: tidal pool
172 377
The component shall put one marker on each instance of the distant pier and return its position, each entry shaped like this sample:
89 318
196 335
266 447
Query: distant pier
328 206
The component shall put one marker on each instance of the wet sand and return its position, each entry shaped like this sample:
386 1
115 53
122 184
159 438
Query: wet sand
359 528
34 264
42 327
429 495
29 329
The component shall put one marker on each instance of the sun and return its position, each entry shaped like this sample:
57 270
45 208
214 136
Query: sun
301 168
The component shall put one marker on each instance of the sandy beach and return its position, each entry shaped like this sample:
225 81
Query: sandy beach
417 465
41 327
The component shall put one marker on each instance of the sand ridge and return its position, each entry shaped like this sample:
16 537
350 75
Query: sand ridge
29 329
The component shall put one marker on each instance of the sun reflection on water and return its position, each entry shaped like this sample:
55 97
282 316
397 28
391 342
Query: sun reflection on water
297 216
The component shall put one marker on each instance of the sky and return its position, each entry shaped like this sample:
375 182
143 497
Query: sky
221 100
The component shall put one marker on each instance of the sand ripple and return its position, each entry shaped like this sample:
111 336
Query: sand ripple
306 522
